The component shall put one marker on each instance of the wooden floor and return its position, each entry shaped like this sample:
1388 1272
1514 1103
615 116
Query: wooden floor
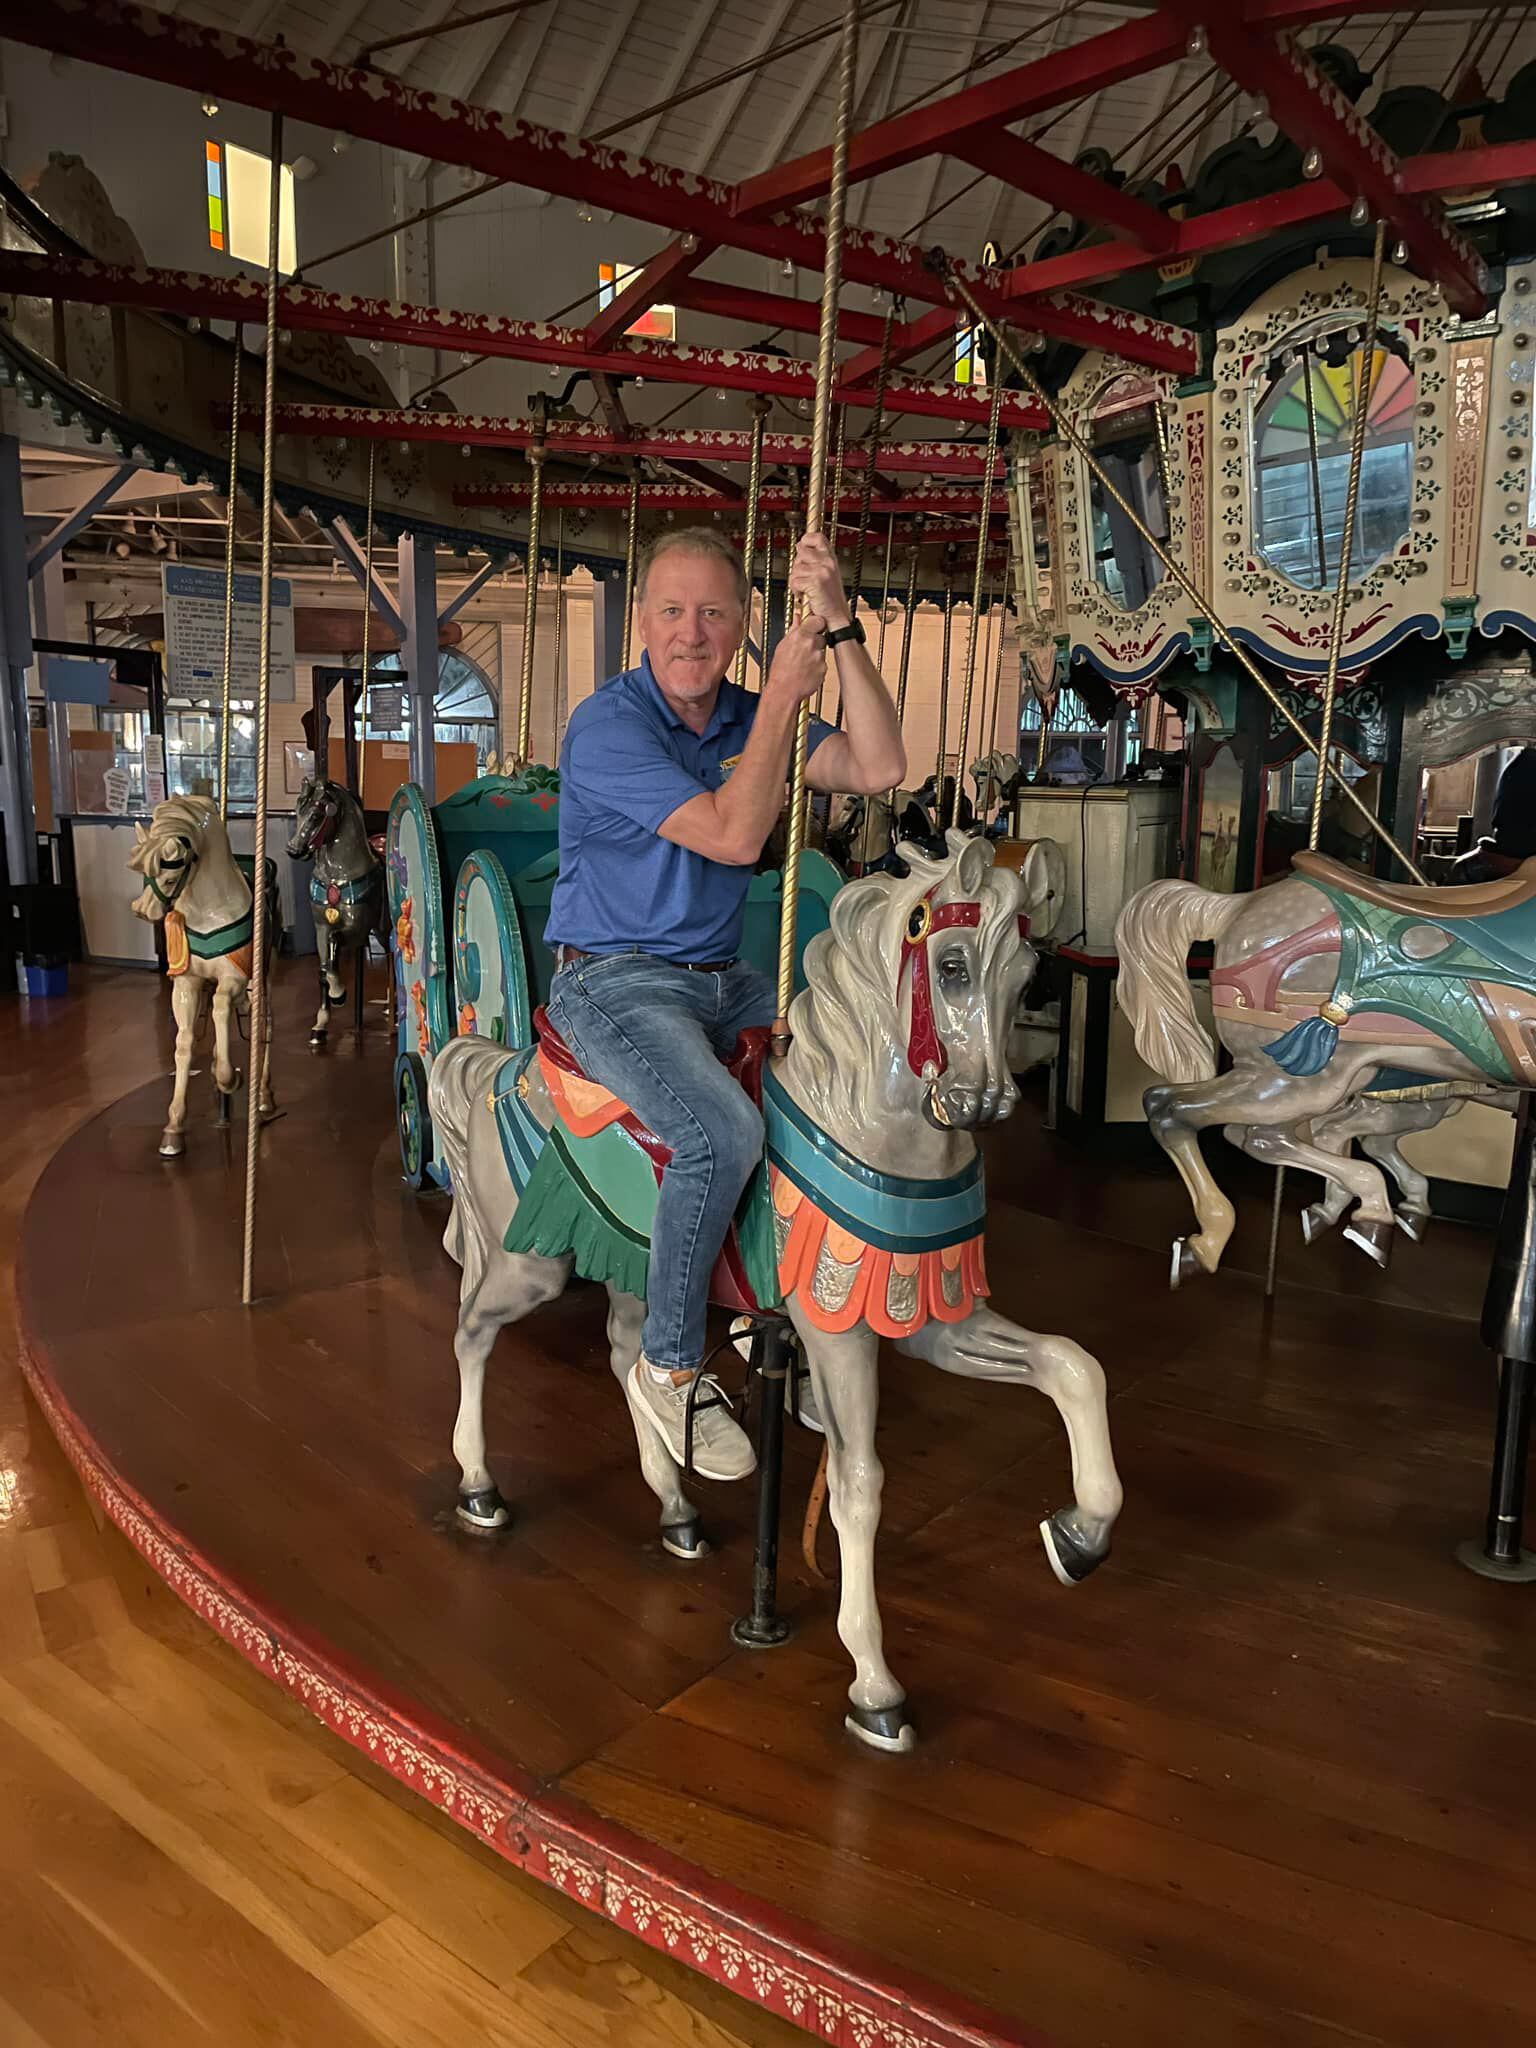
187 1857
1265 1780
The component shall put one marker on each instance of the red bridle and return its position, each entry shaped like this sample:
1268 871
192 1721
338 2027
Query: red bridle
924 1045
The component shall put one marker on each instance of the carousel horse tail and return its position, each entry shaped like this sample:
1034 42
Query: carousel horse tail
1153 937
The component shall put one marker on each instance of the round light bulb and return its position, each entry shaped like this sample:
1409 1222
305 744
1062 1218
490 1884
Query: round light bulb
1312 164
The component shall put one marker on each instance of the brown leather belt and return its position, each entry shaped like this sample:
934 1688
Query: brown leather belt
565 955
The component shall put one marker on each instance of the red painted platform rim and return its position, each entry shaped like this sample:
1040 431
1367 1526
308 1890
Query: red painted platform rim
832 1989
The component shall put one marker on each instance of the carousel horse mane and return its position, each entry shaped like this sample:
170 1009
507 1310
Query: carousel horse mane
852 1002
179 817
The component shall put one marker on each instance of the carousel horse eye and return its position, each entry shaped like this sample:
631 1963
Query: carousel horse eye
954 968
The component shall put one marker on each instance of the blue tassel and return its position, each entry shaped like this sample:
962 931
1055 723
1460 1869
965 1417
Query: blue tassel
1306 1048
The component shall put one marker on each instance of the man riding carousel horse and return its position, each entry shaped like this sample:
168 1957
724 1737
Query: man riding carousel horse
672 779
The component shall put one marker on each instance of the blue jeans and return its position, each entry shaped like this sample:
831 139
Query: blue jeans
654 1034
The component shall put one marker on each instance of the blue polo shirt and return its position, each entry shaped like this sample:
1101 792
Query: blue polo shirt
627 764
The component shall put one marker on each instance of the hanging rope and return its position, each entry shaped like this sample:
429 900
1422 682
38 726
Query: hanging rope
826 366
1174 569
631 552
373 449
229 573
988 471
258 981
531 589
760 409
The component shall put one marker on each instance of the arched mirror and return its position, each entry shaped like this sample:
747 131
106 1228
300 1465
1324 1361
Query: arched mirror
1128 431
1302 429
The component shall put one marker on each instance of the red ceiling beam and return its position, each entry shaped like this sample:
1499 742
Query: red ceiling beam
1029 168
772 309
691 498
1126 52
910 339
1469 170
381 108
649 287
586 441
532 341
1308 108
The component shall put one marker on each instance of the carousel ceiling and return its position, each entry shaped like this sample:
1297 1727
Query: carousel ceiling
585 66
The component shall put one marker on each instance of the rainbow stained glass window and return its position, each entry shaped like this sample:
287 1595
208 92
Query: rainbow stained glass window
970 364
215 160
1302 432
658 323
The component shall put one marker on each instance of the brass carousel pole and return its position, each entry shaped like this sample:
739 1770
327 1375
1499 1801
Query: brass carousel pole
997 622
872 456
949 625
760 407
1340 604
903 669
531 592
826 366
988 471
559 703
631 550
885 590
258 982
1180 576
323 768
229 577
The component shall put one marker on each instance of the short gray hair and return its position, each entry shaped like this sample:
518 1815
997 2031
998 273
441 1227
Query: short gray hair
707 541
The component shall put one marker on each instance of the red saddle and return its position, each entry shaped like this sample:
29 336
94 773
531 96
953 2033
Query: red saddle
745 1062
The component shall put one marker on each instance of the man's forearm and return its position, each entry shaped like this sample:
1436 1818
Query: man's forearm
748 804
869 719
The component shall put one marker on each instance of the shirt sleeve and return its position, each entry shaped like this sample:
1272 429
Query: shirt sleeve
619 763
820 730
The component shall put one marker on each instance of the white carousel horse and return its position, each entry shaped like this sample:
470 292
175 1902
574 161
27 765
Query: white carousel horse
346 888
1330 990
998 778
193 885
872 1213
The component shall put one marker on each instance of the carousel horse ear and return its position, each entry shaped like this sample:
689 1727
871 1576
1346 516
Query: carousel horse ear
974 857
140 835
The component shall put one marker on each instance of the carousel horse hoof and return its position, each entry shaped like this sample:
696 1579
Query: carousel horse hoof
884 1728
172 1144
685 1540
1315 1219
1186 1265
484 1510
1412 1223
1374 1239
1069 1555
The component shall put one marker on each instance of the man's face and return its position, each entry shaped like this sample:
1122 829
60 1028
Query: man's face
691 622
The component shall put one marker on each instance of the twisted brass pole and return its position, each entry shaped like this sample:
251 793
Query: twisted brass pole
992 673
988 471
885 590
323 769
229 576
631 541
903 667
1347 544
872 456
531 599
749 545
1200 600
559 703
949 621
826 366
258 980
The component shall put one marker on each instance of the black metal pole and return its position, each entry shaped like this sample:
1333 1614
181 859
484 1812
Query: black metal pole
1509 1330
765 1628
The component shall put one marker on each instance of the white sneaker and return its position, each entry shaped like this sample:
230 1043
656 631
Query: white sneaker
800 1407
721 1447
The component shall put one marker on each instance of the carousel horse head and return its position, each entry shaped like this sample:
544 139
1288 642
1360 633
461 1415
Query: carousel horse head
321 807
926 968
166 852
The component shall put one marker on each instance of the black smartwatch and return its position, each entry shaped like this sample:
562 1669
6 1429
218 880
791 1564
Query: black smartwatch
854 630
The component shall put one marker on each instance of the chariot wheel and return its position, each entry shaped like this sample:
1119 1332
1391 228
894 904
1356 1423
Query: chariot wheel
490 964
413 1120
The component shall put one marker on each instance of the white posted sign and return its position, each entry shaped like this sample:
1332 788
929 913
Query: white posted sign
194 634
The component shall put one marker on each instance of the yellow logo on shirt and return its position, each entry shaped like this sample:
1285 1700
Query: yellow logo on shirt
731 761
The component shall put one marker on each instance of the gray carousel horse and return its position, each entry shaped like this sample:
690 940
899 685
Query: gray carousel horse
1342 1001
194 887
867 1216
346 888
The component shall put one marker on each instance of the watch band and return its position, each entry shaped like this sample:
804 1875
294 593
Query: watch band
854 630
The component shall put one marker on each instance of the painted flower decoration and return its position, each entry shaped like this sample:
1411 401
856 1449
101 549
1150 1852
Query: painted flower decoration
423 1027
405 932
467 1025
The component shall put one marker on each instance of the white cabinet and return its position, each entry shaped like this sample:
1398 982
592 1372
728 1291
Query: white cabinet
1117 837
